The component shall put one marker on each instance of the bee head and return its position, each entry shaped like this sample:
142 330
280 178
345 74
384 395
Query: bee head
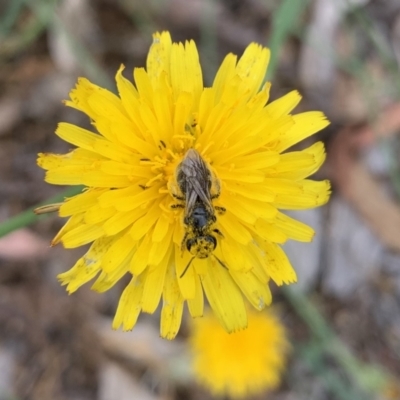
201 246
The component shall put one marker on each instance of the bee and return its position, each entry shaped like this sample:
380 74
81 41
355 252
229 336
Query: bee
195 181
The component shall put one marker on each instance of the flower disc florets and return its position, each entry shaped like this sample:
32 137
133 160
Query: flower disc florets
133 210
244 363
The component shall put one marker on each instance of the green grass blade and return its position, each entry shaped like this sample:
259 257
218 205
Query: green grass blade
10 16
284 22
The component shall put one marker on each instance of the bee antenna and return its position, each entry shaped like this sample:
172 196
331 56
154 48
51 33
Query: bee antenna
187 266
220 262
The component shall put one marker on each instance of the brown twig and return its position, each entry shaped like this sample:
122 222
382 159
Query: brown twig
356 183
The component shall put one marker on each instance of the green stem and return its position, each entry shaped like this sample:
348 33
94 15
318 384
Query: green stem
28 217
368 378
208 40
312 354
10 16
284 22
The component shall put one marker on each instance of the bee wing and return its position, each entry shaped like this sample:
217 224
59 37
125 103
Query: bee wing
197 191
198 180
191 199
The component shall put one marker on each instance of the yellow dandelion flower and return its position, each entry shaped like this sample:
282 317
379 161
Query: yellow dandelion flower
184 185
242 363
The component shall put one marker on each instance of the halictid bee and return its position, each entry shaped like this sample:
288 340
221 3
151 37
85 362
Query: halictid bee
195 181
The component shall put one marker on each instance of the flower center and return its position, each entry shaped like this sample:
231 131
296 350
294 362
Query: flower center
163 165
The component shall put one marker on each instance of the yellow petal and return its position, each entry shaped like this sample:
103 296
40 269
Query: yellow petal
79 95
251 191
243 213
118 221
187 282
81 235
240 175
205 106
186 75
224 74
107 280
294 229
145 196
77 136
152 125
163 109
108 106
87 266
179 233
260 160
215 122
142 226
139 260
284 105
80 203
303 166
241 206
252 67
161 228
309 159
268 231
243 143
109 198
171 313
258 262
305 125
158 59
117 253
127 91
201 265
159 249
225 298
231 224
113 150
97 214
71 224
278 266
129 306
231 123
76 157
153 286
196 305
314 194
256 292
78 176
119 168
233 254
182 112
143 85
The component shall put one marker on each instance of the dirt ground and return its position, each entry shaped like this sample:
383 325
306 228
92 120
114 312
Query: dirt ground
343 316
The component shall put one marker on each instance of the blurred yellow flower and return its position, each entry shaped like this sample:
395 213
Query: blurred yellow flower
242 363
146 214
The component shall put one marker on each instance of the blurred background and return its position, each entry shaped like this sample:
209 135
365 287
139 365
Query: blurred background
343 316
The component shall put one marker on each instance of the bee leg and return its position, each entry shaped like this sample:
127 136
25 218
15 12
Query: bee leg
218 232
221 210
176 205
183 243
186 268
217 188
174 191
221 263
